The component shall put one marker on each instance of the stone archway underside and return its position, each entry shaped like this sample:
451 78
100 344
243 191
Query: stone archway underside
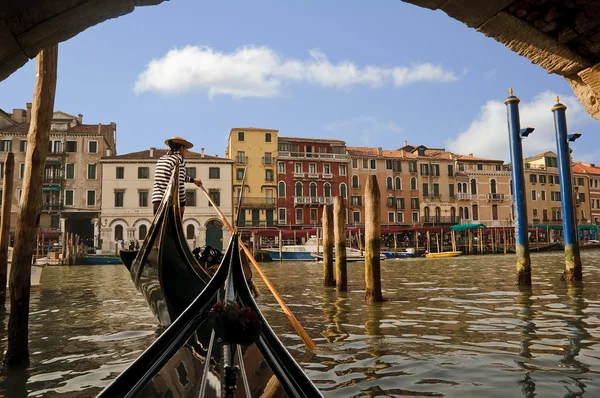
561 36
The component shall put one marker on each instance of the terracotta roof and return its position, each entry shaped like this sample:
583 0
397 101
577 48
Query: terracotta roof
473 158
145 155
16 128
253 129
585 168
298 139
373 152
540 155
79 129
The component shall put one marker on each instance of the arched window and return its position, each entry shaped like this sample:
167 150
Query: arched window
118 232
475 212
354 181
281 189
494 212
460 212
388 183
426 212
473 187
438 214
142 232
453 215
398 183
343 190
413 184
313 190
493 186
190 232
299 189
464 187
327 190
466 213
459 187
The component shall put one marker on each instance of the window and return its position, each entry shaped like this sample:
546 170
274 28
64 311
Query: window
343 193
69 196
143 198
342 169
581 198
580 181
533 178
355 163
356 200
355 182
298 168
268 159
389 184
424 169
542 179
534 213
239 174
412 166
91 174
91 198
542 195
267 137
190 198
425 189
398 184
23 146
71 146
281 189
373 164
399 217
400 203
1 170
118 232
451 190
5 145
269 175
21 170
365 163
119 198
533 195
282 215
54 221
313 190
120 171
475 212
390 216
413 184
281 167
313 216
215 195
473 187
461 167
414 203
479 167
142 232
555 196
436 190
190 232
467 213
493 186
356 217
71 171
551 162
545 214
240 136
299 218
190 171
299 189
312 168
450 170
397 166
388 165
415 216
421 151
144 172
435 170
92 146
327 190
326 169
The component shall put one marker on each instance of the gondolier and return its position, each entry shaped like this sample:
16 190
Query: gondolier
178 146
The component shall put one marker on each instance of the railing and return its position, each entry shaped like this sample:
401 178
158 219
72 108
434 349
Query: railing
255 201
256 224
313 175
535 166
495 196
328 176
489 223
432 198
311 155
241 159
298 175
440 219
53 181
51 207
267 161
463 196
312 200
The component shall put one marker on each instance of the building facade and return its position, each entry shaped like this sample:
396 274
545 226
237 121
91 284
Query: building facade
593 174
310 173
73 175
254 150
127 211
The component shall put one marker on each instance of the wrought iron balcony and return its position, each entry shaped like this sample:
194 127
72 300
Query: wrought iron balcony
495 196
255 201
267 161
312 200
51 207
241 160
463 196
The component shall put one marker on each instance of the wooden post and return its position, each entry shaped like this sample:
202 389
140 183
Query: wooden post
416 243
537 239
281 246
453 237
339 231
480 239
505 242
77 252
43 246
359 239
395 244
372 241
318 243
17 353
328 279
253 245
7 192
470 237
437 242
72 249
64 248
428 246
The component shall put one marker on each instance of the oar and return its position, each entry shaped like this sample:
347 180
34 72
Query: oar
299 329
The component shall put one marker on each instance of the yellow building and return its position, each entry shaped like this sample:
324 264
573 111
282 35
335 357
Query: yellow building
254 150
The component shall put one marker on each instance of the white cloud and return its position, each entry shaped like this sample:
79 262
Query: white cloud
367 128
261 72
487 135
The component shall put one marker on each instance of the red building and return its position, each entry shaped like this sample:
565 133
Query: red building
310 173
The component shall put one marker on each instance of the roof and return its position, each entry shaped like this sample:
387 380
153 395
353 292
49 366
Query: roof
323 140
585 168
252 129
78 129
473 158
60 115
541 155
145 155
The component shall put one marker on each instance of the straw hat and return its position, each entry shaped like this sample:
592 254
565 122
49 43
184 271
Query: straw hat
179 141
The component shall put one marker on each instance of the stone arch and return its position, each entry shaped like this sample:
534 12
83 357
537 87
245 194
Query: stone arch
120 221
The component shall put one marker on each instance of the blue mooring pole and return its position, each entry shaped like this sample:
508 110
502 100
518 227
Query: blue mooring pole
570 238
518 183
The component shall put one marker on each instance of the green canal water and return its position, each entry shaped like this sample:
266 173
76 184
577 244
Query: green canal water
450 328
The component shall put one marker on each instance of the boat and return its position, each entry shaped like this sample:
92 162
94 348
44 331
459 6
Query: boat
408 253
589 244
36 271
443 254
352 256
181 295
99 259
296 252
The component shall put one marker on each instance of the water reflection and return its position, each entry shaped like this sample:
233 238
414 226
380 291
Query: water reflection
373 321
576 328
527 328
335 311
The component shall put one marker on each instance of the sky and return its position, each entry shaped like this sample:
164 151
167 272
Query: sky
371 73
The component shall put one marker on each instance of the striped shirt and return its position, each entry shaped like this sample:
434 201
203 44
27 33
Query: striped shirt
164 168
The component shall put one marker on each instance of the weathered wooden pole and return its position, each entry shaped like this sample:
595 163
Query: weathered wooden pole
428 242
7 192
77 250
43 246
72 250
505 241
17 353
253 244
395 243
328 279
281 246
318 242
339 232
64 248
372 241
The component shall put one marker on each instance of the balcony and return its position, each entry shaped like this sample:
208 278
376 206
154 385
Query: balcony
241 160
267 161
495 197
255 202
298 174
327 176
53 180
432 198
312 200
440 219
312 155
55 156
313 175
463 196
51 207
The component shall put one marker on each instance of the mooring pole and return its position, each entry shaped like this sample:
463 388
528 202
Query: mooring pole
515 135
372 241
572 258
328 279
339 231
7 193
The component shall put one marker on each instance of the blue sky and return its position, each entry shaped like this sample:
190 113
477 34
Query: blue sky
371 73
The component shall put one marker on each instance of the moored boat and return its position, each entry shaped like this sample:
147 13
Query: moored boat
443 254
36 271
295 252
408 253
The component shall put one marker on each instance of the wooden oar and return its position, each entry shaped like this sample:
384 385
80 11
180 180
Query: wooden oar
299 329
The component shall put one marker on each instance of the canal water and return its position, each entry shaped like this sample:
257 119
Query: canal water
450 328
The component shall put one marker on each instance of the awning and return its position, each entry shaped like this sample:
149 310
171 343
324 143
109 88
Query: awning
50 188
464 227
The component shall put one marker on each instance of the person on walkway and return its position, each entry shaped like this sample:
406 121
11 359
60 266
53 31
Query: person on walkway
164 169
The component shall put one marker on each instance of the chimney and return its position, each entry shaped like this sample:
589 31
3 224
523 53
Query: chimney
80 118
108 152
202 153
99 128
152 152
470 155
405 143
28 105
592 164
19 116
379 152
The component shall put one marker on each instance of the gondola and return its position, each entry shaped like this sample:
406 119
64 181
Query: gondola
181 295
